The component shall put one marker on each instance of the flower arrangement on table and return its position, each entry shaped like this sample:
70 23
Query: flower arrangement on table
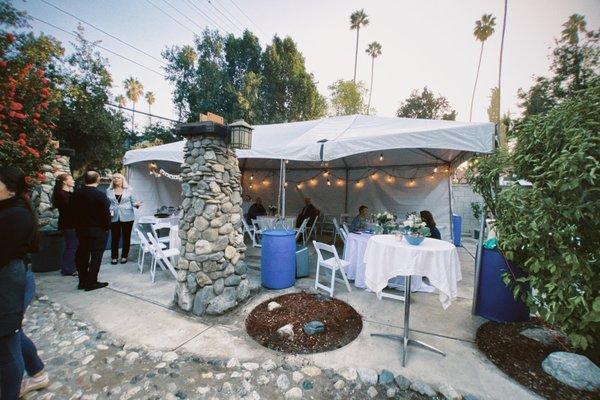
415 229
386 221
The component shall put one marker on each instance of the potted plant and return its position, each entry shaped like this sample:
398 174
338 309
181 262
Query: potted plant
386 221
415 229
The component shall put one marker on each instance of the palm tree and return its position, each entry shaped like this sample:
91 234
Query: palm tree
134 90
573 27
150 99
484 28
357 19
121 101
374 50
502 128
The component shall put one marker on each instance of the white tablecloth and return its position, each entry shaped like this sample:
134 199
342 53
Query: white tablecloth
354 253
386 257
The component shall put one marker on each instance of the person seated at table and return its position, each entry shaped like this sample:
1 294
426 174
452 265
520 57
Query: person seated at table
427 217
360 221
255 210
309 211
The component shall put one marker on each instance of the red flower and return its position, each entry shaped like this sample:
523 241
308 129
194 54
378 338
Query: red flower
21 141
16 106
3 63
28 179
10 37
34 152
22 135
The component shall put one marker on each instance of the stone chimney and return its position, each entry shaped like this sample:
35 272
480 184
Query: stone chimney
211 271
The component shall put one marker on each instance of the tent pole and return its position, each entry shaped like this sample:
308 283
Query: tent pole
450 207
283 179
346 196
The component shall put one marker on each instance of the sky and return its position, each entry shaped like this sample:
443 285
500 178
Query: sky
425 43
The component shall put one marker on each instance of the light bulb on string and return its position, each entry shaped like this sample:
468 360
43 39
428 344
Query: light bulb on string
313 182
411 182
374 176
435 170
285 184
432 176
251 186
251 176
328 182
287 161
326 173
446 170
381 157
340 182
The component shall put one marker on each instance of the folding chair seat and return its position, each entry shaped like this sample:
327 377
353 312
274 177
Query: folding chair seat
334 264
162 258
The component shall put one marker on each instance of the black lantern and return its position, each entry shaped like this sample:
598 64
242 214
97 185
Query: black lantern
240 135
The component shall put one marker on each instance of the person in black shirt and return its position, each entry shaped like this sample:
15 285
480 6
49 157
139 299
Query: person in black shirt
255 210
18 237
427 217
92 221
309 211
61 199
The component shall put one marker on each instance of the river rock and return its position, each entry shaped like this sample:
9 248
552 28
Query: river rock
573 370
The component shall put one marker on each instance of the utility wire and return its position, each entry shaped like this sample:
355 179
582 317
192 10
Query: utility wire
99 46
140 112
169 15
247 17
208 17
182 14
103 31
225 16
232 15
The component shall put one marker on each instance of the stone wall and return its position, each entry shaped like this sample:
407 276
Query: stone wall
211 271
41 197
462 197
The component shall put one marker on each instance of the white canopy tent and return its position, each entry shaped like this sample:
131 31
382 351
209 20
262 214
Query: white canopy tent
389 164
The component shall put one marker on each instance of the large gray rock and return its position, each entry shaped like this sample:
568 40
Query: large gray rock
402 382
203 296
243 290
423 388
573 369
222 303
544 336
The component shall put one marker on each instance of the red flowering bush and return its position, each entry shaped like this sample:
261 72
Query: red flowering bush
27 111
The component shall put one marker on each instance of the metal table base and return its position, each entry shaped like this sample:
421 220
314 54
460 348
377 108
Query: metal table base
405 339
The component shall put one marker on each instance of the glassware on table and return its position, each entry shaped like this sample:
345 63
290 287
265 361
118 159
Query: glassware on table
399 236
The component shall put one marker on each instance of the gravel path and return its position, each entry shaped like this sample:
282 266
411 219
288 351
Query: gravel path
85 363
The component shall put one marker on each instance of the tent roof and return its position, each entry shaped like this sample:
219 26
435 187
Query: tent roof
349 137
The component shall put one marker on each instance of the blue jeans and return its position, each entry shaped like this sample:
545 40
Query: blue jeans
18 353
67 262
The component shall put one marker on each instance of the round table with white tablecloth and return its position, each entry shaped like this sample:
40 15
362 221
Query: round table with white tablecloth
354 252
387 257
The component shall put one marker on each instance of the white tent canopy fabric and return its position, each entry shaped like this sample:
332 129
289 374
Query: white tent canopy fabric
384 163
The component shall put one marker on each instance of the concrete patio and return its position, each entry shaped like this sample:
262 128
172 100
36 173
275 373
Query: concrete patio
140 312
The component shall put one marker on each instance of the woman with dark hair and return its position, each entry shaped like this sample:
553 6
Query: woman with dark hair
61 199
427 217
17 286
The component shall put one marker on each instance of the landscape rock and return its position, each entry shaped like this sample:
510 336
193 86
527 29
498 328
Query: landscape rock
349 374
573 370
273 305
283 382
268 365
286 331
385 377
423 388
372 392
449 392
544 336
294 393
402 382
314 327
311 370
368 375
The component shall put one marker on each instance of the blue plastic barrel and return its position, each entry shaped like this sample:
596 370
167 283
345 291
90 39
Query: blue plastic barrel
456 229
278 259
495 301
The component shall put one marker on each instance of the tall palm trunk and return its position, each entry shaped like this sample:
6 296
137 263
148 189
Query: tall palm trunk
476 79
133 118
356 54
150 112
371 86
501 132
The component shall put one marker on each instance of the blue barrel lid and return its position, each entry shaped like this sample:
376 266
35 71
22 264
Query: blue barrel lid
278 232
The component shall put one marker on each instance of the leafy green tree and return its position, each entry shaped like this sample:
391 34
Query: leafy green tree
133 90
551 229
358 19
426 105
157 133
347 98
95 132
373 50
484 28
121 100
575 63
28 97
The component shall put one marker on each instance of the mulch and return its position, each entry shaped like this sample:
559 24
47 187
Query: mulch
521 358
342 323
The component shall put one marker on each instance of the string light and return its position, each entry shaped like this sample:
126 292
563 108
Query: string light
411 182
340 182
285 184
287 161
251 186
326 173
390 179
432 176
381 157
265 182
374 176
313 182
328 182
446 170
252 177
435 170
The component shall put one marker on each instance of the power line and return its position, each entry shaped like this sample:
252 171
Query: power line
169 15
240 23
225 16
215 23
182 14
99 46
140 112
247 17
103 31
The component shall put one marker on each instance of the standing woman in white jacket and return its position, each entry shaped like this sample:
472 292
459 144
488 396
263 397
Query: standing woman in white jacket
122 202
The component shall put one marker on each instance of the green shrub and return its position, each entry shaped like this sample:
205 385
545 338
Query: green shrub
552 230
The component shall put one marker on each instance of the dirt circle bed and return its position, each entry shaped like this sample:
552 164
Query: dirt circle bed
341 322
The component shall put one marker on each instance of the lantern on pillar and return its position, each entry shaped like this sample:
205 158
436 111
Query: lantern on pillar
240 135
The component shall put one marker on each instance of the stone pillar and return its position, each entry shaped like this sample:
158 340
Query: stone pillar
211 271
41 197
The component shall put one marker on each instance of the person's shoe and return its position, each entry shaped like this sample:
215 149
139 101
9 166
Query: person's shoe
114 261
97 285
124 260
35 383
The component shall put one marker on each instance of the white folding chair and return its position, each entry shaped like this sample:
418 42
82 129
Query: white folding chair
145 248
157 227
312 228
251 232
339 231
334 264
162 257
302 231
326 225
345 227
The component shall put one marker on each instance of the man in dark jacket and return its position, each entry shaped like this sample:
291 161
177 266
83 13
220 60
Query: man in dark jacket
91 212
309 211
255 210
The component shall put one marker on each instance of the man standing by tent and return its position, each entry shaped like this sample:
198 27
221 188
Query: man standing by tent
91 212
309 211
